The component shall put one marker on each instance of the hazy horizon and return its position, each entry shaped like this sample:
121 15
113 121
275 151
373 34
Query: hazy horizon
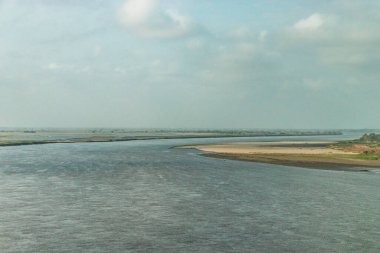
190 64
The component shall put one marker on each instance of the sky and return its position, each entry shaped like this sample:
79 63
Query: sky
190 63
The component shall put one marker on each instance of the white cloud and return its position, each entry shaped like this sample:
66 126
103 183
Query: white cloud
97 50
312 84
195 44
144 18
263 36
242 32
53 66
119 70
85 69
69 68
344 56
311 23
136 12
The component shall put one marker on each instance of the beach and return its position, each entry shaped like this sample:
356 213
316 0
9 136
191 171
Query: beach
308 154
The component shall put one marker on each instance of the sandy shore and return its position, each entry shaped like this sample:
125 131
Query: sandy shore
297 153
306 148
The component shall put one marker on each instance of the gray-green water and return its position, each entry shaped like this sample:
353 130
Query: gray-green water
141 196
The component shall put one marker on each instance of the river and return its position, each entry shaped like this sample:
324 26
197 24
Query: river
144 196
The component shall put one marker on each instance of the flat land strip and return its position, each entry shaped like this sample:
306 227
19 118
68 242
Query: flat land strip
30 137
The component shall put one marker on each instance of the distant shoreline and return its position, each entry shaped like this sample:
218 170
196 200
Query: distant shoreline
176 135
317 155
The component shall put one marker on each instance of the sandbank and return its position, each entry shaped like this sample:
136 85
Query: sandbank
321 155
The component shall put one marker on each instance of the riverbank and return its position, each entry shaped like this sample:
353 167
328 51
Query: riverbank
321 155
32 137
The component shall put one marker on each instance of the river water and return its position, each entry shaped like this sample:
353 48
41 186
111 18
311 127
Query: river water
143 196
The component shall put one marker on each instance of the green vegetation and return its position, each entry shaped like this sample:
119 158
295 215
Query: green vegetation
6 135
372 138
22 142
361 156
367 156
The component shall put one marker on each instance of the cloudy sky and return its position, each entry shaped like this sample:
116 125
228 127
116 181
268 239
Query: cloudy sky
190 63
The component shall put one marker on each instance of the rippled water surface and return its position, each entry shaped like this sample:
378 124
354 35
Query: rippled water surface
142 196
